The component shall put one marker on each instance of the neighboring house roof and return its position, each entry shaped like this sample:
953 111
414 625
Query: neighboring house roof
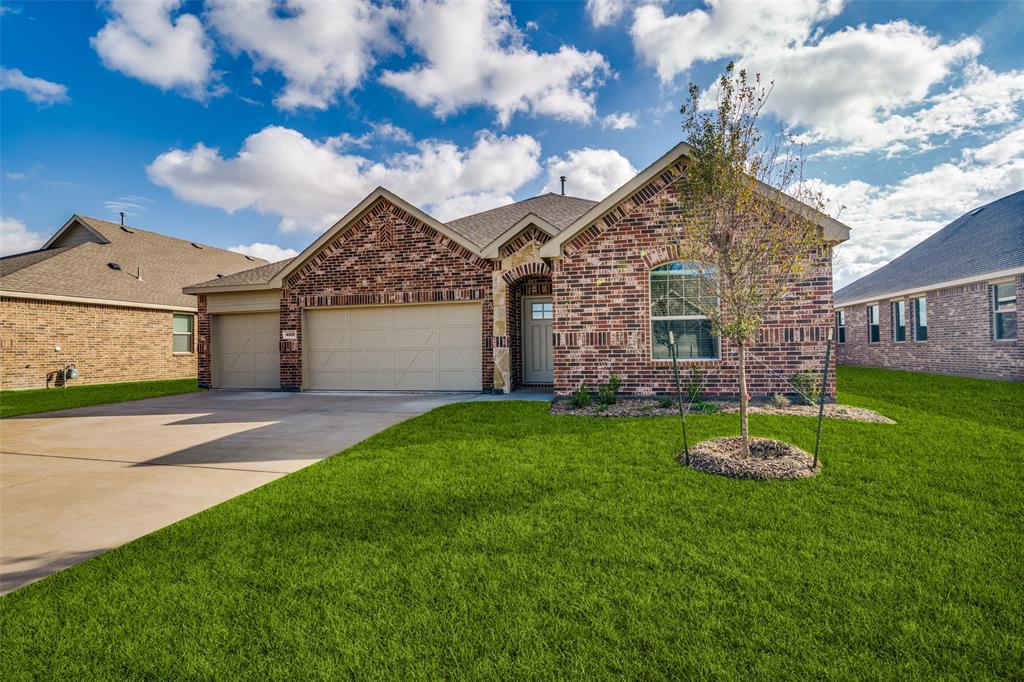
982 242
74 266
259 275
558 210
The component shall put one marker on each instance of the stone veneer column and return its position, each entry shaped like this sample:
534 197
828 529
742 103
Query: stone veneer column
499 343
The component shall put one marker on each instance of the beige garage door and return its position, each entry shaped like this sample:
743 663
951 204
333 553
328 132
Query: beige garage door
245 352
430 347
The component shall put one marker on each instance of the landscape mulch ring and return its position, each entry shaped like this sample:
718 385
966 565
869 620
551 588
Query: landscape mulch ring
768 459
652 408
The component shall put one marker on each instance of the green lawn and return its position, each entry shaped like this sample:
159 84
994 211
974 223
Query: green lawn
14 403
490 540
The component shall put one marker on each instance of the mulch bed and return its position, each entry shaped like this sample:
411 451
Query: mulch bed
768 460
651 408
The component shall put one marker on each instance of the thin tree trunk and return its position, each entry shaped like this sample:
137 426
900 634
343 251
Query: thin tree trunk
744 431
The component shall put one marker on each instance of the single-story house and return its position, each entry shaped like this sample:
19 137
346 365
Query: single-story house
948 305
106 298
553 291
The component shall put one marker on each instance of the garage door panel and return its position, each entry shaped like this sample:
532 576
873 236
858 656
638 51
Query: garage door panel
409 348
245 351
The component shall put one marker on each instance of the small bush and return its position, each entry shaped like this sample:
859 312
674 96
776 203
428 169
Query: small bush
778 400
608 393
806 382
694 384
666 401
704 407
581 398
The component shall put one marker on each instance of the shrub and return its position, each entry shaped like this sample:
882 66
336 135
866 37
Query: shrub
666 401
608 393
778 400
581 398
704 407
694 384
806 382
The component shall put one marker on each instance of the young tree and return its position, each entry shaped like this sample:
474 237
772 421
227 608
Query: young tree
750 243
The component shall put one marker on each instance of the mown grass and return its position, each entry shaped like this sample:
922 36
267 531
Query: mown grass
491 540
15 403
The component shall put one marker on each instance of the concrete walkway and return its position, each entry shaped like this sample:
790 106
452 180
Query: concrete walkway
78 482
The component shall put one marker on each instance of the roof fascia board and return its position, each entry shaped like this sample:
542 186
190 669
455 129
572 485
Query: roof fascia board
353 216
492 250
933 287
28 295
213 289
72 220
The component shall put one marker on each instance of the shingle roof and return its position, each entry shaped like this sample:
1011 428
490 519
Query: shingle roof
82 271
483 228
987 239
258 275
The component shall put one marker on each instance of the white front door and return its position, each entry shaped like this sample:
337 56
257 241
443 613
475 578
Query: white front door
538 316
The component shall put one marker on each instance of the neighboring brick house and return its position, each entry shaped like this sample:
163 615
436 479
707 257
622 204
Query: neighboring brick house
552 291
106 298
948 305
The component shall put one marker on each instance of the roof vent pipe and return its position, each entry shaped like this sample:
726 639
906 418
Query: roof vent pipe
139 276
562 178
123 214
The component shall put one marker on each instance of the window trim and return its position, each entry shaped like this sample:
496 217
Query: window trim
898 307
191 334
993 287
840 325
878 320
915 311
651 319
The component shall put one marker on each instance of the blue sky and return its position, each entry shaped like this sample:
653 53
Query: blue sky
255 126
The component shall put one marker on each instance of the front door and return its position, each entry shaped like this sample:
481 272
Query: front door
538 315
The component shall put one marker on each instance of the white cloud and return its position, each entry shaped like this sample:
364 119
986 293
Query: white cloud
15 237
310 184
590 173
382 132
886 221
673 43
146 41
475 55
37 90
269 252
14 175
606 12
321 48
622 121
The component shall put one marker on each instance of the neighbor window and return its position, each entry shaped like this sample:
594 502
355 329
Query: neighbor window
874 331
182 333
1004 305
899 320
920 319
841 326
678 296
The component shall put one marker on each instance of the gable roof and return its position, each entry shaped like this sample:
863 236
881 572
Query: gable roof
243 280
985 241
74 266
557 210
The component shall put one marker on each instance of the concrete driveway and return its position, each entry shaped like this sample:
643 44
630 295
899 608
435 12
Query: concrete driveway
78 482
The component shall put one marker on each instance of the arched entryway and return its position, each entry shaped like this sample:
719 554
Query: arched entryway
529 320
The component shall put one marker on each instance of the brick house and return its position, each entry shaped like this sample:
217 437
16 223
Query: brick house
948 305
107 298
552 291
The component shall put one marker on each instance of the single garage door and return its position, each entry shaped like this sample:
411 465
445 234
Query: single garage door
245 351
429 347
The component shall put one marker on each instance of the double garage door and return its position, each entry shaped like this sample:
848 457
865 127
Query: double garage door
430 347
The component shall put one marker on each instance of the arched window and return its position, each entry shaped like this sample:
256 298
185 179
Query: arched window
679 295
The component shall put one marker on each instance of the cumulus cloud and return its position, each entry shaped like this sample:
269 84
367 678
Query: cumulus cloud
37 90
606 12
378 132
310 183
590 173
145 40
475 55
622 121
321 48
270 252
15 237
887 220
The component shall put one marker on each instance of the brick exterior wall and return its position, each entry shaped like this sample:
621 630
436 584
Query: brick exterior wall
388 257
960 336
602 311
203 342
108 344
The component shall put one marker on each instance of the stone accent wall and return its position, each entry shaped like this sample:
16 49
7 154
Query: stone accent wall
108 344
388 257
602 311
960 336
